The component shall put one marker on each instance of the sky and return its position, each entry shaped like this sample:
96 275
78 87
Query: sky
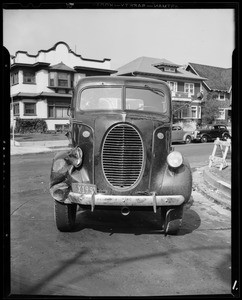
203 36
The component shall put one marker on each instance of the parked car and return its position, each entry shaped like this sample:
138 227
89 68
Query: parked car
180 135
211 133
121 156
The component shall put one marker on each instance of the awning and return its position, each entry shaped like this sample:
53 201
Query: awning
37 95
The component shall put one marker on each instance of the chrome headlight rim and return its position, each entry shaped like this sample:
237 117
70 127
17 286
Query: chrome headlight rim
174 159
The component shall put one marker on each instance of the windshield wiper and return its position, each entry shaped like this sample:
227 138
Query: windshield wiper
155 91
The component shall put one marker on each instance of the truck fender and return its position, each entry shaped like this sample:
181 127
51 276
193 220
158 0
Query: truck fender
62 170
59 168
178 181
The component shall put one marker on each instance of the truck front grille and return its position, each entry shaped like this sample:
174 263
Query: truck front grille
122 156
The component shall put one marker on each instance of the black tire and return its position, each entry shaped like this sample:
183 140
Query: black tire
65 216
188 139
171 219
226 136
204 139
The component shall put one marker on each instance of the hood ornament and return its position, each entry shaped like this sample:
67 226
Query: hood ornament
124 117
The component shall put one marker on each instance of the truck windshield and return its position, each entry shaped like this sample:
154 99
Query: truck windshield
101 98
149 100
110 98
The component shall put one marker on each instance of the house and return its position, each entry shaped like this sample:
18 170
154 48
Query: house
218 84
42 84
186 87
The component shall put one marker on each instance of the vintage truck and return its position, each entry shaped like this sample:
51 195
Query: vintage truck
121 155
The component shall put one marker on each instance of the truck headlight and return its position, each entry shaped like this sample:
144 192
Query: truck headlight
75 156
174 159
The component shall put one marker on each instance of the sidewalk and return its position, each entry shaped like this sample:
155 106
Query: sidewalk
214 184
38 147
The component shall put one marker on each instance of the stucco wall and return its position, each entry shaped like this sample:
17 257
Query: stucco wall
61 53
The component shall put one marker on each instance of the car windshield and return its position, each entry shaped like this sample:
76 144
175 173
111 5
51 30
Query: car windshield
110 98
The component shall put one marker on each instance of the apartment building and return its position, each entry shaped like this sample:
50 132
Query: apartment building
218 85
42 84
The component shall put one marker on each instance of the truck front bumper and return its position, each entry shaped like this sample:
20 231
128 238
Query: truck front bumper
127 200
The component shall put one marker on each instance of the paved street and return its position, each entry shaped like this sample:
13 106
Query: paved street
109 254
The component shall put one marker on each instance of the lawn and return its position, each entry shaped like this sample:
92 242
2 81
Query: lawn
28 137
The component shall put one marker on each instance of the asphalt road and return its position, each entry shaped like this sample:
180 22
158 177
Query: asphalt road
109 254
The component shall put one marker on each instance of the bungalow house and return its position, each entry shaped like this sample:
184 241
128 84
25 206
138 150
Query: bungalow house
186 87
42 84
218 84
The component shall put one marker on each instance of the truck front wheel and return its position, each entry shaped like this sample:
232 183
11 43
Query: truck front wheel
65 216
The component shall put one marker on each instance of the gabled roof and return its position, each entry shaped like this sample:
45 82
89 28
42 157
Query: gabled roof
148 65
61 67
217 78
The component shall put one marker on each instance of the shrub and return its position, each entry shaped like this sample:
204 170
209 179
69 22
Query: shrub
30 126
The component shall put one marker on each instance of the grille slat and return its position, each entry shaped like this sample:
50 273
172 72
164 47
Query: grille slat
122 156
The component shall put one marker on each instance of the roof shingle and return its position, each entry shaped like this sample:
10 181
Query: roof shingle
62 67
217 78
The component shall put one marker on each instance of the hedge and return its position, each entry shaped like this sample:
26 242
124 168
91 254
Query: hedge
30 126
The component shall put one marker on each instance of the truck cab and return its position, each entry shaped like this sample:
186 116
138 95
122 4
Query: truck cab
121 156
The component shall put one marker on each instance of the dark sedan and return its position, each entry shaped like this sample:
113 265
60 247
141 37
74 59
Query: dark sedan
211 133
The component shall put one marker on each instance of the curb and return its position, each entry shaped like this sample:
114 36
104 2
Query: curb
219 184
28 150
215 194
48 144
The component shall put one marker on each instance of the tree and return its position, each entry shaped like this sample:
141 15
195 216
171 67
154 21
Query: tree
176 108
210 108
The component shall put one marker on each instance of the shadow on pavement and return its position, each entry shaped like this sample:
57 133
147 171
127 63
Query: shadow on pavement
137 222
224 267
69 263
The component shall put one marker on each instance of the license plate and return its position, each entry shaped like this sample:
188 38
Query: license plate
84 188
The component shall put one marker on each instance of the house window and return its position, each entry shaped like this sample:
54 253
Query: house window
29 77
172 85
62 127
221 97
29 109
185 113
189 88
52 79
16 109
63 79
167 69
14 78
199 112
58 110
221 114
60 79
194 112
